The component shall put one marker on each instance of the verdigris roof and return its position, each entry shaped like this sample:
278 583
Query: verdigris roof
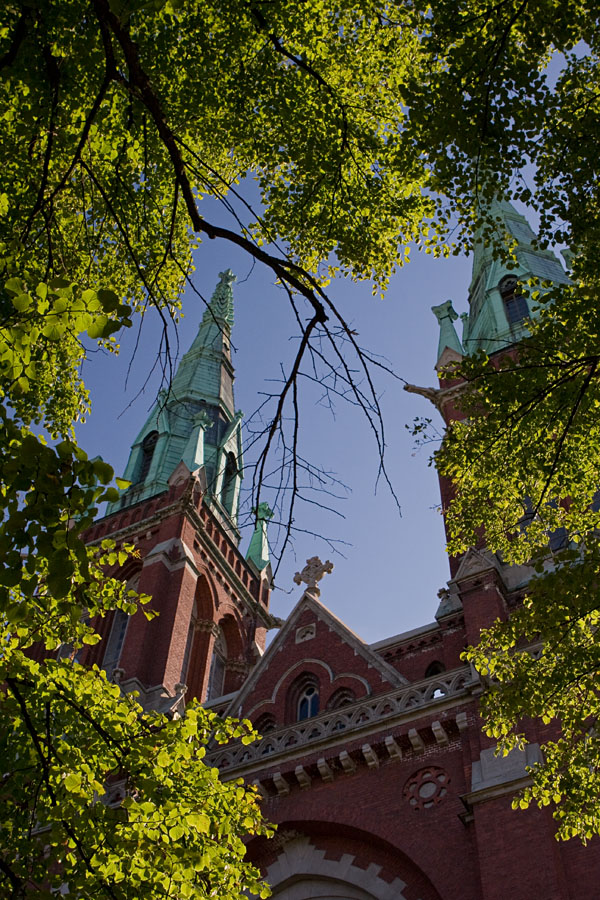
195 420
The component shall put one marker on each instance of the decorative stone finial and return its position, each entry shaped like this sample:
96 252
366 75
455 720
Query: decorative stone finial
203 420
227 277
446 316
263 511
312 573
445 311
258 551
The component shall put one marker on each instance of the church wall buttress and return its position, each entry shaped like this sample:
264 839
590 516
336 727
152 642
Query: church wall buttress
483 602
197 619
517 853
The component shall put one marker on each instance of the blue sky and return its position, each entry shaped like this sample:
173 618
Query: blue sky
390 566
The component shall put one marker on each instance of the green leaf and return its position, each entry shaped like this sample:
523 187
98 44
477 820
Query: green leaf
21 302
96 329
73 782
163 760
103 471
200 822
108 299
54 330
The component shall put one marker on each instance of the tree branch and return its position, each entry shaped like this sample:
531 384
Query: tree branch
140 85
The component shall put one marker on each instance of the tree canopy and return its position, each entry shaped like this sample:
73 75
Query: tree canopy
117 121
367 126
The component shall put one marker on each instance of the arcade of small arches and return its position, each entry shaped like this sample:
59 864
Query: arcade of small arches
304 699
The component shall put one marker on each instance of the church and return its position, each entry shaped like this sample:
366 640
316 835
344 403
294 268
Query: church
372 761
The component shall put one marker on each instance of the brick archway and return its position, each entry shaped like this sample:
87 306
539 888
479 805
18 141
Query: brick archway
327 860
303 870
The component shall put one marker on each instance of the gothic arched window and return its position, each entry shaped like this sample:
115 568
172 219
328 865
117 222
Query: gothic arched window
216 677
115 642
148 447
302 698
308 702
229 477
434 668
515 303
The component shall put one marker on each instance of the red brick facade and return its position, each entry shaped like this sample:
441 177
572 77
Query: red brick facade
372 761
388 789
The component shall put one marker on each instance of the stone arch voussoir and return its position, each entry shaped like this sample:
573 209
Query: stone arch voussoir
302 867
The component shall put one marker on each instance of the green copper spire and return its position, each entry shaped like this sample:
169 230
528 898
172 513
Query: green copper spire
195 421
205 372
258 551
498 309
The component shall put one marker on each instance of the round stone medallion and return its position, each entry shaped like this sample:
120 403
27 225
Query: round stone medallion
427 787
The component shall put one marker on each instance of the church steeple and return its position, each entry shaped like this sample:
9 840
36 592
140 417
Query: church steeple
498 308
205 372
195 422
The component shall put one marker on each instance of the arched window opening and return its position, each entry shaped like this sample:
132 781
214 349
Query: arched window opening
216 677
185 666
302 698
434 668
229 477
308 703
265 723
515 302
148 447
203 599
115 642
341 697
196 657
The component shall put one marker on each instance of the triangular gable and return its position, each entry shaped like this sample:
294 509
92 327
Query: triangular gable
475 562
290 650
233 426
158 419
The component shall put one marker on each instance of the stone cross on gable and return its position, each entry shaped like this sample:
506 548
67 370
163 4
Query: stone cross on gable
312 573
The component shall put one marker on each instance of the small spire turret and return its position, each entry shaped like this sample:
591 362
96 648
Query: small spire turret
258 552
446 316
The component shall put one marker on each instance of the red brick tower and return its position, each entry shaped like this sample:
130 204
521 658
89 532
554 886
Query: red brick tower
181 513
498 312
